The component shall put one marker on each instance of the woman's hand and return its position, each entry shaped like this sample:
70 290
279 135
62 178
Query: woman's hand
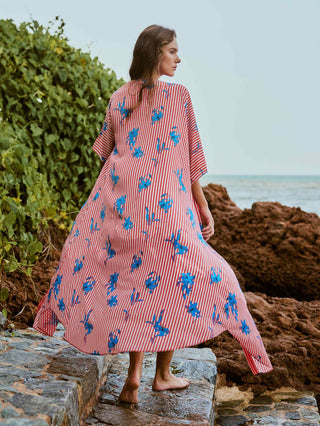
207 222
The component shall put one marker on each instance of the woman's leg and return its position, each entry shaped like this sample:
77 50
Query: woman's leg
129 391
164 379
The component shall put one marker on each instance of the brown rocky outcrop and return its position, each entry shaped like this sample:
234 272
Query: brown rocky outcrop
274 249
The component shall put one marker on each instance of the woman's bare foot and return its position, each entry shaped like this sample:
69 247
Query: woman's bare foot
169 382
129 391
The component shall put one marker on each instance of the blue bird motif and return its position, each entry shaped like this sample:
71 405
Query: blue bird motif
152 281
111 284
56 285
134 298
127 224
178 173
112 301
113 340
190 213
144 182
165 202
232 304
114 178
187 281
132 137
244 327
87 326
161 147
61 305
178 247
75 299
78 265
193 310
123 111
88 285
119 205
175 135
103 213
159 329
136 261
111 252
138 153
156 114
215 276
93 226
96 196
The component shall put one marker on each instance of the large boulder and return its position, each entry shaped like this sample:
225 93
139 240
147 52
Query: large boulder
274 249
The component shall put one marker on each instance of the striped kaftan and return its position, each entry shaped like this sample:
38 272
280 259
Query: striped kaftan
135 273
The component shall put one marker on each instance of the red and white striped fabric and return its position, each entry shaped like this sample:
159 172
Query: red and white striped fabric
135 273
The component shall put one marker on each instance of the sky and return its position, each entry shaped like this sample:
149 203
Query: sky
252 68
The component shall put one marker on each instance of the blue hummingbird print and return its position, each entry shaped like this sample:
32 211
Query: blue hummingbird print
114 178
138 153
178 247
127 224
132 137
244 327
96 196
93 226
159 329
111 252
150 218
56 285
200 236
103 213
165 202
61 305
127 314
88 242
178 173
113 340
134 298
76 234
187 281
161 146
49 294
215 320
156 114
123 111
152 281
87 326
136 261
193 310
111 284
88 285
144 182
115 150
112 301
119 205
190 213
78 265
232 304
215 276
75 299
175 135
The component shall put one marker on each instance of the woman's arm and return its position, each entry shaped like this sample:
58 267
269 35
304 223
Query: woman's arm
198 194
205 214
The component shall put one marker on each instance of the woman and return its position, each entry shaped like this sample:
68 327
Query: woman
136 273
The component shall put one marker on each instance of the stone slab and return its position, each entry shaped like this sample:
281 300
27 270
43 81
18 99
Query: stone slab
190 406
44 380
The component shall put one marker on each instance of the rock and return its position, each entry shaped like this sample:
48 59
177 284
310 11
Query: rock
273 249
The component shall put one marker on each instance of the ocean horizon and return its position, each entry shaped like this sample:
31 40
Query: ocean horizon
290 190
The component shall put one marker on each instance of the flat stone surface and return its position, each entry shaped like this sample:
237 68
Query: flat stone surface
289 408
192 405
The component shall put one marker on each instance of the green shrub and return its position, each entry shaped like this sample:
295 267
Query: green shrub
53 99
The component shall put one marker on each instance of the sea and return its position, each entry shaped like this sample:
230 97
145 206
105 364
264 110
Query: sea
289 190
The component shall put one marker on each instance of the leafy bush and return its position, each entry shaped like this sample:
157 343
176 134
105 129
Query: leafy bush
52 105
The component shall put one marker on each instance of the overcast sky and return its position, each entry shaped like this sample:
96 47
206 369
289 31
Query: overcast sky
252 68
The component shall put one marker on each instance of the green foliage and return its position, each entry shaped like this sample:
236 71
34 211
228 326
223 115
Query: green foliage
53 99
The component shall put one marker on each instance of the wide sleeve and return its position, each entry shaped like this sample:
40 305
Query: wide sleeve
105 143
198 165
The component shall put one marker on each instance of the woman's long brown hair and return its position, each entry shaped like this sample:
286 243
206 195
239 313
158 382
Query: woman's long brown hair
147 54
